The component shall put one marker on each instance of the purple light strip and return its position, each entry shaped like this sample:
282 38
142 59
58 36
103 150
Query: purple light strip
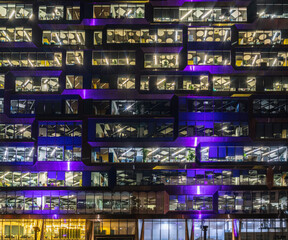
179 3
179 142
4 119
228 69
36 73
104 21
17 45
235 229
114 94
211 69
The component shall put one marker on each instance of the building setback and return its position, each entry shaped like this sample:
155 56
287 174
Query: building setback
143 120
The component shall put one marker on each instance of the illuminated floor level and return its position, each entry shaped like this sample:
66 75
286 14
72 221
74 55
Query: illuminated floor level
148 229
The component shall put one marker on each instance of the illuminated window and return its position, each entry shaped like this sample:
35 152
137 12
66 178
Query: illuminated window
210 128
74 82
144 84
175 82
59 153
135 107
71 106
18 34
207 34
114 227
209 58
146 155
31 59
51 12
60 129
144 36
98 38
259 37
281 179
35 84
243 202
2 81
199 14
74 58
271 9
126 82
18 11
22 106
99 179
15 131
16 154
261 59
221 83
165 84
113 58
41 179
190 202
119 11
135 130
98 83
62 37
244 154
1 105
73 13
161 60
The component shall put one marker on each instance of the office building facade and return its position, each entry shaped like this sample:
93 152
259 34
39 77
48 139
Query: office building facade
143 120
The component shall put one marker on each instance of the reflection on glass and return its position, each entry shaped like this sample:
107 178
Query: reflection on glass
161 60
119 11
36 84
59 153
207 34
259 37
144 36
62 37
128 155
209 58
51 12
18 34
18 11
199 14
134 130
113 58
73 13
126 82
261 59
244 154
31 59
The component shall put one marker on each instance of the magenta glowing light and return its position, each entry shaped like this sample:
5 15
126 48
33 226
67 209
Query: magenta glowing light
235 228
198 190
84 93
195 141
68 166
